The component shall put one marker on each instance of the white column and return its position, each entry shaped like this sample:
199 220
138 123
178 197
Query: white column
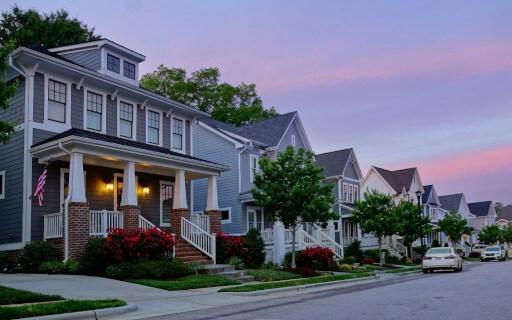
279 242
76 177
330 230
212 202
129 196
180 192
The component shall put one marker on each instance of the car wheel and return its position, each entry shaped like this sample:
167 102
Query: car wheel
460 269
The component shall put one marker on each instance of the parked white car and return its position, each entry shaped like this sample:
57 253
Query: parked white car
479 248
441 258
494 253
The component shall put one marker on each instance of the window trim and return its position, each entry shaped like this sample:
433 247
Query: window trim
2 195
255 208
103 109
134 69
120 63
162 224
184 135
120 75
60 125
128 101
160 129
230 216
251 172
293 140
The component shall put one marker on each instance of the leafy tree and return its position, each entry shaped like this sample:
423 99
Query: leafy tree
410 224
376 214
25 27
254 255
507 234
290 188
490 234
454 226
236 105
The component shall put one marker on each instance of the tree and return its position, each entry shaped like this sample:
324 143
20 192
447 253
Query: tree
490 234
290 189
454 226
376 214
26 27
507 234
410 224
236 105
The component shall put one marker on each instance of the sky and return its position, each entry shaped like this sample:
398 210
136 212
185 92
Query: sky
406 83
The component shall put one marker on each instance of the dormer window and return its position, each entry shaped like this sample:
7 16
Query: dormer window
129 70
113 63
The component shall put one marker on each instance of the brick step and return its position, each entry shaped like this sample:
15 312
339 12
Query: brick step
196 259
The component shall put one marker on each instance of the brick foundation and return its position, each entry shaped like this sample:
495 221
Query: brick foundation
176 215
130 216
78 226
215 221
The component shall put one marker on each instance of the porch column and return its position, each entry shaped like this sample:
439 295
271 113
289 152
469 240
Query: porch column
129 206
76 173
179 203
330 229
279 249
212 206
78 209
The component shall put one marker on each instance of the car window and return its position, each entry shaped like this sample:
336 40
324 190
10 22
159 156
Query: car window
439 251
493 249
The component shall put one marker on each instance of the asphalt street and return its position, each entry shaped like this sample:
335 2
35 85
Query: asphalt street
479 292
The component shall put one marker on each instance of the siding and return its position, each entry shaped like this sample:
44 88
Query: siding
287 140
245 172
77 107
141 124
350 171
16 111
111 116
39 98
90 59
166 132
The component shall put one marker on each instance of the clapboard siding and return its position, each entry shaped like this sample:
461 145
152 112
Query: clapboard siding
111 116
39 98
77 107
90 59
16 111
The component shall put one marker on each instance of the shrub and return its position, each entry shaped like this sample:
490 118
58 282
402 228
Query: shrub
228 246
367 260
4 262
405 260
421 250
346 267
475 254
349 260
92 261
235 262
287 263
35 253
254 249
435 243
354 250
374 254
57 266
319 258
393 260
305 272
149 269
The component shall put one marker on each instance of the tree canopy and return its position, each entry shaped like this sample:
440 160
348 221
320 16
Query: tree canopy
454 226
491 234
234 104
410 224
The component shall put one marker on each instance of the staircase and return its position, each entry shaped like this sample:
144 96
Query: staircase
189 254
229 272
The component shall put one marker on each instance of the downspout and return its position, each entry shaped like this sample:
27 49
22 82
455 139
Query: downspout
240 167
66 203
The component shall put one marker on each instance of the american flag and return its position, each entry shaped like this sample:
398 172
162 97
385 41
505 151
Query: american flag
39 191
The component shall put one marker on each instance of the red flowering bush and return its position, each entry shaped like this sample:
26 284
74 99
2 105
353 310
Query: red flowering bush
123 245
229 246
367 260
316 257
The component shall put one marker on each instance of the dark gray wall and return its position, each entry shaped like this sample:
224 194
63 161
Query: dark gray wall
16 111
141 124
111 116
77 107
39 98
90 59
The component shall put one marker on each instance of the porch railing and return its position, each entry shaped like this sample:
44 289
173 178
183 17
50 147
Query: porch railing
201 220
53 226
393 244
198 237
349 240
103 220
145 224
268 236
329 242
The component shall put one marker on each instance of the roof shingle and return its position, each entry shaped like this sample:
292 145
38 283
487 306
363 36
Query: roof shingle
398 179
333 162
480 209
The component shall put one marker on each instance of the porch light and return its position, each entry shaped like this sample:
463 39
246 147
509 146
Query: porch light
145 190
109 186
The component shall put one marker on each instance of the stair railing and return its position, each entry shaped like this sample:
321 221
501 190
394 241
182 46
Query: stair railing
198 237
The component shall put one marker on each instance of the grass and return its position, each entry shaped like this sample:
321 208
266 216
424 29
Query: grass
15 296
188 282
271 275
294 282
35 310
404 269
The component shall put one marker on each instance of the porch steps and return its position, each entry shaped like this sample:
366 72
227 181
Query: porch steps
189 254
229 272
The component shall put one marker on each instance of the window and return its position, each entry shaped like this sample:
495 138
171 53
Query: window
2 184
255 219
293 140
356 193
350 192
345 192
166 198
57 97
226 215
113 63
254 166
126 111
153 131
94 111
177 134
129 70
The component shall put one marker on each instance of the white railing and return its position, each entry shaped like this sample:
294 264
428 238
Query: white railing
53 227
288 236
349 240
198 237
393 244
145 224
369 242
102 220
306 240
201 220
268 236
330 243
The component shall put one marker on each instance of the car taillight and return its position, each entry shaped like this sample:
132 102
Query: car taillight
450 257
427 258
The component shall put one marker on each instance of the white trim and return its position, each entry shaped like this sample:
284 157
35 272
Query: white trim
12 246
221 134
160 129
2 174
184 135
134 123
67 124
251 172
120 75
63 171
96 44
103 109
114 181
302 132
254 208
160 201
293 141
228 221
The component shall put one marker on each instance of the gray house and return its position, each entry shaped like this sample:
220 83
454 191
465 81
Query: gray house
240 148
118 155
432 209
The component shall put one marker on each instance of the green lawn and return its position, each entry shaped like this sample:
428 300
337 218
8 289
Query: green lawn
295 282
15 296
405 269
56 308
188 282
271 274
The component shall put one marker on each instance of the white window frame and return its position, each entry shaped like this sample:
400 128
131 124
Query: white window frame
228 220
120 75
119 100
57 126
184 135
2 195
257 169
293 140
160 129
103 109
249 208
162 182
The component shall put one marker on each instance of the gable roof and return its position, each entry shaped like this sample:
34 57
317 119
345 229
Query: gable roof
505 213
451 202
398 179
333 162
480 209
426 194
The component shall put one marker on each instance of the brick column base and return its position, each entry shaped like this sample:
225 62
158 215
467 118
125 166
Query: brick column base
215 220
130 216
78 227
176 215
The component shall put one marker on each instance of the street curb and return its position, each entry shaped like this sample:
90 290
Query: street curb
89 314
297 288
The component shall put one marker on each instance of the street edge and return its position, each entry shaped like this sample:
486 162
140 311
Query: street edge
89 314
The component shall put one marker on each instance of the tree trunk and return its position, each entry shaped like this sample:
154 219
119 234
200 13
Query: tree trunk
293 266
380 252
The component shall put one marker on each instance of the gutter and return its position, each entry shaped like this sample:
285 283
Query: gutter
66 203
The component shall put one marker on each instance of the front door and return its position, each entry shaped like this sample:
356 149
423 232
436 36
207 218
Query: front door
255 218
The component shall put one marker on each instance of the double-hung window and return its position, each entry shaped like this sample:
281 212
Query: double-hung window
94 111
177 134
57 97
126 117
129 70
254 166
153 127
113 63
